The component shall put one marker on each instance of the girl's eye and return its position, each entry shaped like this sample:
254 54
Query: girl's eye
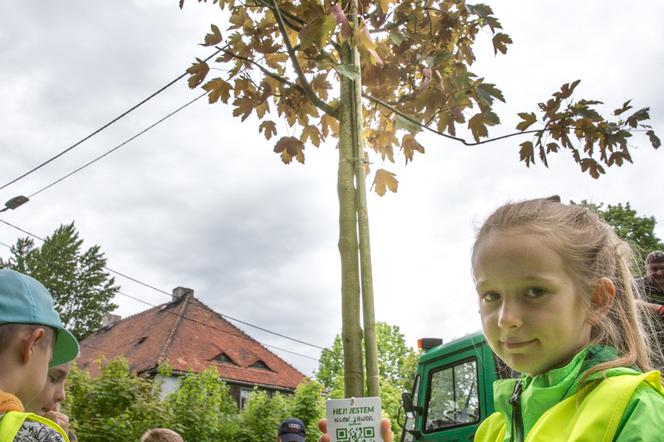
535 292
52 379
489 296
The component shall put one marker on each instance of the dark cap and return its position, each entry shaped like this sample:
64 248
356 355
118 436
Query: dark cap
656 256
291 430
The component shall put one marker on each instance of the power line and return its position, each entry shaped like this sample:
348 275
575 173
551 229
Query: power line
108 152
127 112
167 293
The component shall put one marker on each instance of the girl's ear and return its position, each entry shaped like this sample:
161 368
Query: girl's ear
31 340
602 300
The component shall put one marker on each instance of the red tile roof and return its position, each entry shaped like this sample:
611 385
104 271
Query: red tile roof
189 336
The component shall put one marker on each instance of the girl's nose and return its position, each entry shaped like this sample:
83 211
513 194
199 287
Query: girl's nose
510 315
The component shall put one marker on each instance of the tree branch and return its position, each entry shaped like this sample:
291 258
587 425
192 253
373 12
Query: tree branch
308 91
442 134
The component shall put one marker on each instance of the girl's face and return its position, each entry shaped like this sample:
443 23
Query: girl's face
53 392
532 314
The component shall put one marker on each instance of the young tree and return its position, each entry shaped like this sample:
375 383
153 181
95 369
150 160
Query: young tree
82 290
308 405
116 405
202 408
401 67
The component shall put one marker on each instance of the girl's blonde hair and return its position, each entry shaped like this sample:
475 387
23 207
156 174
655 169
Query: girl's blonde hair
590 250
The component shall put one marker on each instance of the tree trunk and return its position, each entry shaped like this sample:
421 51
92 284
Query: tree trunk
351 333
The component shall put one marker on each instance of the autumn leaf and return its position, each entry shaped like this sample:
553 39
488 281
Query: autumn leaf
384 5
527 153
488 91
654 140
212 38
500 42
625 107
269 127
477 125
243 106
217 89
329 125
366 43
384 180
321 85
567 89
639 115
409 145
592 167
342 20
311 133
198 71
290 147
317 33
528 119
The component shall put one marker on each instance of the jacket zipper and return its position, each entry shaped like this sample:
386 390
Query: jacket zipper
517 419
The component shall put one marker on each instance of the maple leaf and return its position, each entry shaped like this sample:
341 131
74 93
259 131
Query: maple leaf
198 71
409 145
217 89
528 119
654 140
212 38
639 115
625 107
349 71
477 125
321 85
384 180
243 106
317 33
311 133
269 127
592 166
500 42
488 91
329 124
342 20
290 147
567 89
365 42
527 153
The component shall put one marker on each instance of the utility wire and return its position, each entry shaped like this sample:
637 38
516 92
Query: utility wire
108 152
167 293
127 112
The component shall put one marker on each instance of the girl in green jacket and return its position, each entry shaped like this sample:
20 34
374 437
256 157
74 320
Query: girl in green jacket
557 304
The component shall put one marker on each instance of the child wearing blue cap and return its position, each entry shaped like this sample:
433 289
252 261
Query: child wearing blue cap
32 339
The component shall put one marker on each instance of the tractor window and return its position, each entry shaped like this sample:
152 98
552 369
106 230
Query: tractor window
409 423
453 399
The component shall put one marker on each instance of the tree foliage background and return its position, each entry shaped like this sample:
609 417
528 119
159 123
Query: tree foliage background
82 289
120 406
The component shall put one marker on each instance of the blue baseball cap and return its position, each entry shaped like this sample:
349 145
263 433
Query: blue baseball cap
291 430
24 300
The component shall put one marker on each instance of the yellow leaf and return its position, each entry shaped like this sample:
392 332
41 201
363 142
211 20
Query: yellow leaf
217 89
409 145
269 127
329 124
311 133
384 180
477 126
384 4
275 60
528 119
198 71
213 37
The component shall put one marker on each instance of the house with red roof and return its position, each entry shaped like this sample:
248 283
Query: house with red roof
188 335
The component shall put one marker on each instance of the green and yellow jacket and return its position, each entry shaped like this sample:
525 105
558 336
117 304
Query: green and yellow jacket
619 404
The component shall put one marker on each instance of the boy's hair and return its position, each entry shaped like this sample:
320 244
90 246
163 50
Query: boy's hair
9 332
161 435
590 250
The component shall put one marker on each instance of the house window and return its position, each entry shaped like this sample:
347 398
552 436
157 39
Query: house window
260 365
224 359
245 394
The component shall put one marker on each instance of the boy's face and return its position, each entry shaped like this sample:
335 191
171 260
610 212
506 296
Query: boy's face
53 392
532 313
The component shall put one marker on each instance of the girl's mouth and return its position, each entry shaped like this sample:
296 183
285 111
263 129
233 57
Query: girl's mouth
516 345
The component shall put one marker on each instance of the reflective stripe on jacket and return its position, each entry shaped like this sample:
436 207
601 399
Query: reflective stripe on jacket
12 421
591 414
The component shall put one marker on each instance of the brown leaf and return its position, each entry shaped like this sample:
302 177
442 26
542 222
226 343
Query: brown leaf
410 145
528 119
269 127
311 133
500 42
527 153
213 37
592 167
477 126
654 140
290 147
384 180
217 89
329 125
198 71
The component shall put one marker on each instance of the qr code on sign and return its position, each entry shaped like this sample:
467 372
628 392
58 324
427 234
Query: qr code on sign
356 434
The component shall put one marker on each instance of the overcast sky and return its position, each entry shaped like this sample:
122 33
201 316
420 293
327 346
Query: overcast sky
201 200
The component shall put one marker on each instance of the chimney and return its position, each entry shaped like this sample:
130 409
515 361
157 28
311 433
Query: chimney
181 292
109 320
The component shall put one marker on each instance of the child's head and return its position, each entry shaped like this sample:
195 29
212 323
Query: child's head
161 435
551 279
53 392
32 338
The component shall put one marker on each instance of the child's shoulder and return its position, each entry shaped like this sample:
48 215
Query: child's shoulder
643 416
32 430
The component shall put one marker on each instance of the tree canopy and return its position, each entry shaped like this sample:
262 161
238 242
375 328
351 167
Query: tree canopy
82 289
